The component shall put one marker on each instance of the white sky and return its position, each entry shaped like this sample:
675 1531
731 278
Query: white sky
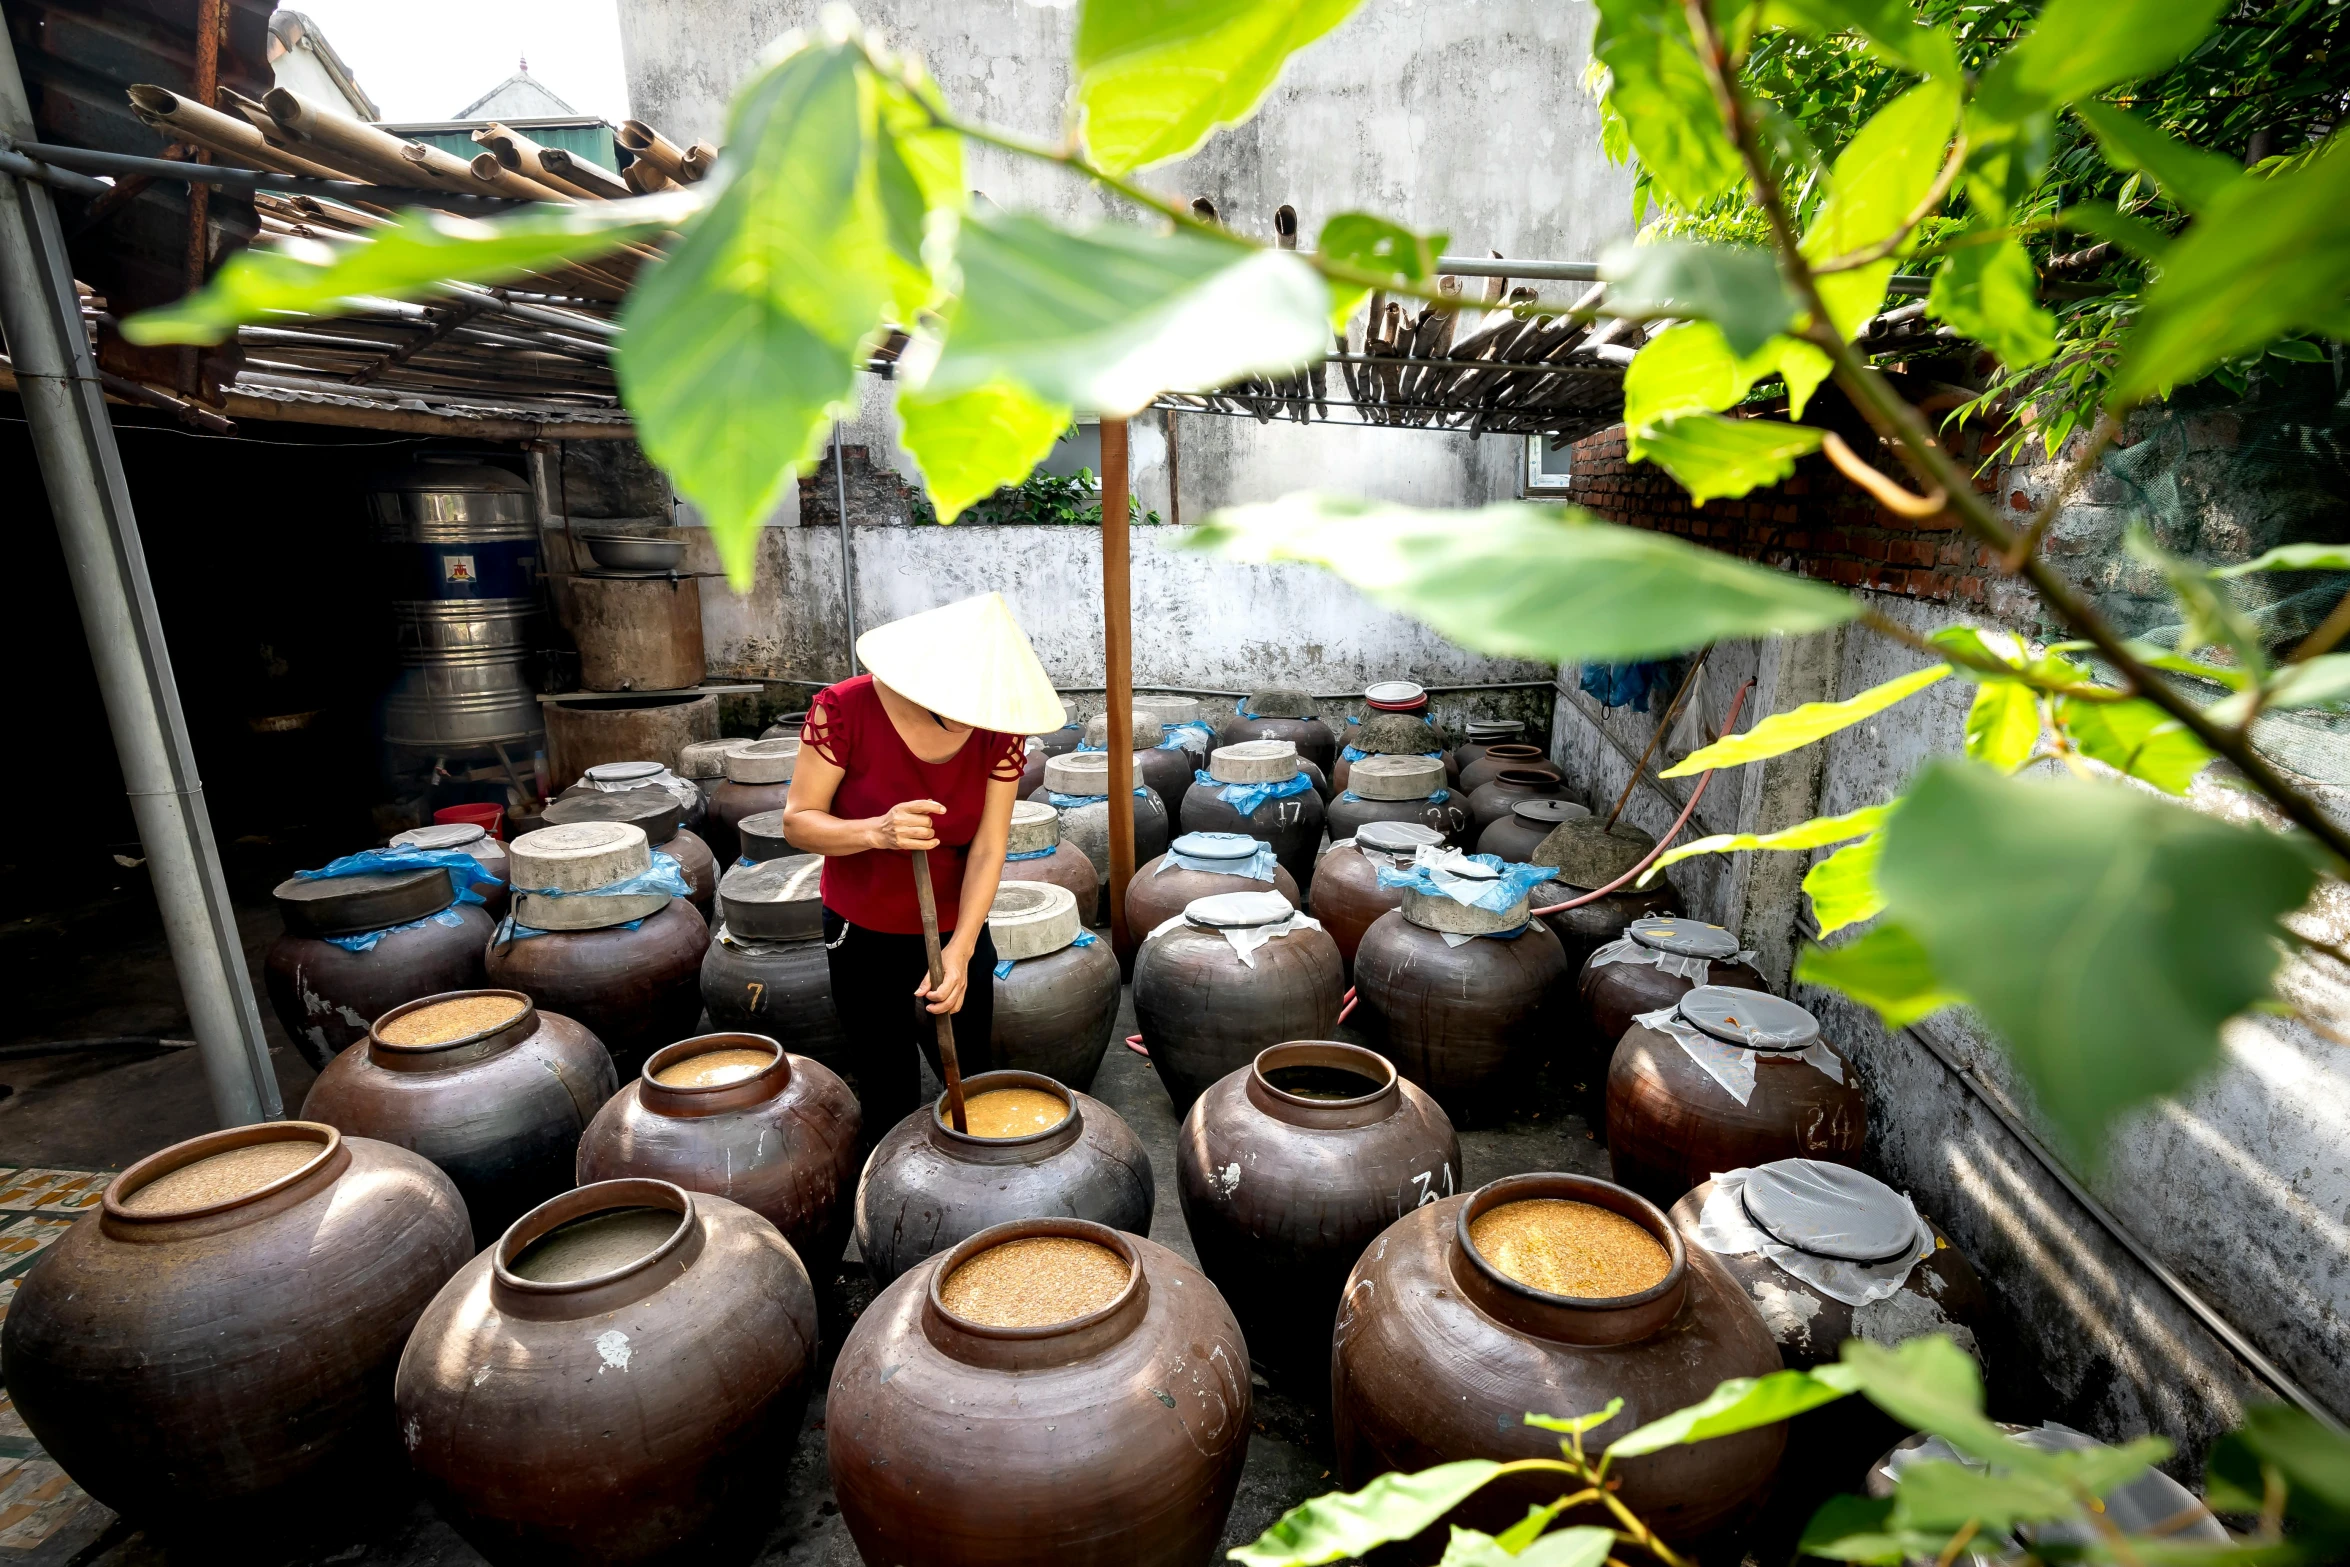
426 59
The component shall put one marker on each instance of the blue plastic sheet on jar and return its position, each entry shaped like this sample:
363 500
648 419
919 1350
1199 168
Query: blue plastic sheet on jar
1066 802
365 941
465 872
1003 967
1246 797
1028 854
1514 882
1204 737
1241 707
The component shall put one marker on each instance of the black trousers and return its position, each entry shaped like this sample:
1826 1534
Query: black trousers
873 978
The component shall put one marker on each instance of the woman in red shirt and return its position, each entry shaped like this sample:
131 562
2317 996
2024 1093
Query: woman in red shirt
922 753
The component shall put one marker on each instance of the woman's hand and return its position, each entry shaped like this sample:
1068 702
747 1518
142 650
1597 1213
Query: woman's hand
948 997
908 826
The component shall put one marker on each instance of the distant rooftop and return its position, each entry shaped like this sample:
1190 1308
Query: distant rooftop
300 58
520 96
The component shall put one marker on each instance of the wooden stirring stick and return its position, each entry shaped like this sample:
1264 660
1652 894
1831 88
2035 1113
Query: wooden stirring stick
948 1068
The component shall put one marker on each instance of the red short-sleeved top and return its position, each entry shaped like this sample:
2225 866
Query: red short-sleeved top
875 888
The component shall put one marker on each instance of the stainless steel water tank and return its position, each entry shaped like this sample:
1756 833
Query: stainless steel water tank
460 542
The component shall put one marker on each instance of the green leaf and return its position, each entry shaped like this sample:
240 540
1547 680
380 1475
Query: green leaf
1800 726
1859 1529
1884 968
2190 176
1105 320
2316 682
2267 258
2003 725
2081 47
1740 1404
2106 935
1576 1425
1348 1523
1843 889
2134 236
1689 368
1713 456
1369 243
2154 657
1659 88
974 443
1991 294
1936 1496
2136 739
2211 620
1931 1385
412 259
1890 27
1816 833
2293 557
1736 287
1578 1547
1529 581
2311 1458
1878 183
1155 78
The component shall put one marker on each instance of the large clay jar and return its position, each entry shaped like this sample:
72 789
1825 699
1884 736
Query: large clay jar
1165 771
212 1352
483 1084
702 763
1470 1023
1492 799
739 1117
471 839
326 977
1439 1356
1387 788
1206 1009
1113 1439
1480 736
1732 1078
1348 899
758 778
657 813
1036 851
1287 1169
635 989
928 1187
1658 959
1498 758
1077 785
764 971
1181 720
1282 715
1290 821
1588 855
1515 837
618 1381
1056 985
1189 871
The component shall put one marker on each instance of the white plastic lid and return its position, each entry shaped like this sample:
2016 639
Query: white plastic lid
1683 937
1753 1018
1830 1210
1396 837
1238 910
1394 691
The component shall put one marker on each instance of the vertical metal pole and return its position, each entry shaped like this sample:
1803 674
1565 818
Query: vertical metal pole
1118 660
211 18
57 377
848 553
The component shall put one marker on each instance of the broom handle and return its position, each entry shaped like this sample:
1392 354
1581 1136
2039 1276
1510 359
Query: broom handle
947 1065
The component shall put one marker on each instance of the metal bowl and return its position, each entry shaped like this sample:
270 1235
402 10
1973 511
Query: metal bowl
633 552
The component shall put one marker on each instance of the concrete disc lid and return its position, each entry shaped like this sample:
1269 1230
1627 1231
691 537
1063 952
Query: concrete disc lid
761 761
441 835
1253 761
1404 838
352 905
761 835
1830 1210
1279 702
1395 734
1035 825
775 900
654 810
1233 846
1495 731
704 758
1547 811
1395 777
1238 910
1438 912
1685 938
1078 772
580 857
1146 730
1032 918
1587 854
1172 709
624 775
1753 1018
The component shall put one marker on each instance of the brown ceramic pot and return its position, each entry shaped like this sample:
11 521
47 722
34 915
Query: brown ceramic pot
1483 736
1490 801
1616 992
1166 771
499 1110
729 803
1162 889
1292 824
928 1187
1587 927
227 1368
639 1415
326 996
781 1142
782 989
1514 838
1204 1012
635 990
700 867
1348 899
1283 1189
1477 774
1054 1014
1439 1356
1471 1024
1112 1440
1670 1124
1349 814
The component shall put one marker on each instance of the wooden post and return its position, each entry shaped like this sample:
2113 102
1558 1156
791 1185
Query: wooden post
948 1067
211 21
1118 663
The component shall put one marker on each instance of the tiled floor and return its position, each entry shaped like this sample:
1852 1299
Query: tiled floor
44 1517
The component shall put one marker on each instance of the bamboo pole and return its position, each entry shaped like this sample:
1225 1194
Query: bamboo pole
583 173
1118 661
336 137
650 146
698 161
549 166
948 1067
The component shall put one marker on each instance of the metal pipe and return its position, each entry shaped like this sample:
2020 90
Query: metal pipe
1588 271
1118 665
64 405
848 551
24 168
247 180
1325 696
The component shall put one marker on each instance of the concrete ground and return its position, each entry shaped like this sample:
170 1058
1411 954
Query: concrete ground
105 972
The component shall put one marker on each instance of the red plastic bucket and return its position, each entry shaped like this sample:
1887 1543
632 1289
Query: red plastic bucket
489 817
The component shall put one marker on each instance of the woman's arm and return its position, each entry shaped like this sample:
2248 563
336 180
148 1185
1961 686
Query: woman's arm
809 825
983 868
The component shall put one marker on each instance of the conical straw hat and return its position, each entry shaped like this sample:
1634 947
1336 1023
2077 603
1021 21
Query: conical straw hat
968 661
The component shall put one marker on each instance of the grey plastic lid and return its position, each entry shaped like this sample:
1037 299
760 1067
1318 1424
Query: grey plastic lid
1396 837
1238 910
1683 937
1547 811
1829 1210
625 772
1753 1018
775 900
1215 845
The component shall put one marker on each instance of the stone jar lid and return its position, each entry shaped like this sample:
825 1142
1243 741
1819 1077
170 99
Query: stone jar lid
1402 839
1395 777
1253 761
1032 918
1547 811
1494 731
1238 910
1281 702
1035 825
354 905
1147 732
1588 854
654 810
775 900
580 857
1172 709
704 758
761 761
616 776
761 836
1435 911
1395 734
1078 772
